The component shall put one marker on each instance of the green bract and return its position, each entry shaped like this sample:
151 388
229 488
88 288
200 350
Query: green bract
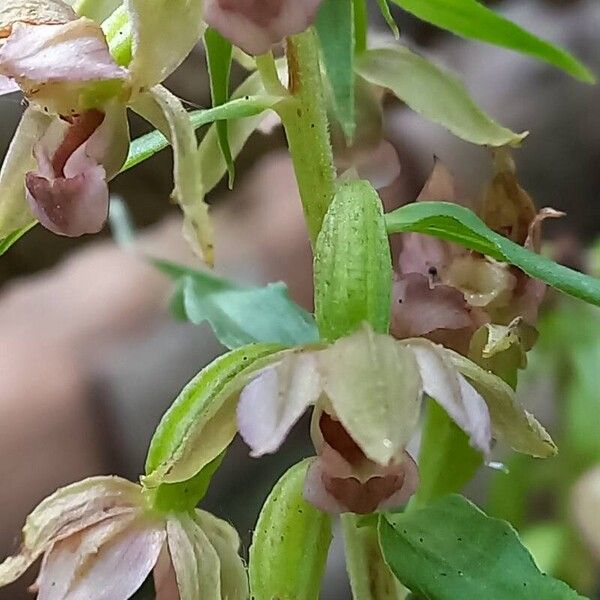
290 543
201 422
451 550
433 93
353 266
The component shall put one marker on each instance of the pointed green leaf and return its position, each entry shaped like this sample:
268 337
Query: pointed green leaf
13 238
240 314
384 7
433 93
201 421
458 224
335 28
471 19
450 549
353 267
219 54
290 543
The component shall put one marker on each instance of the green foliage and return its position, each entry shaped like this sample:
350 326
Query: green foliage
384 7
148 145
471 19
200 423
290 543
433 93
447 461
335 28
450 549
238 314
219 53
352 269
457 224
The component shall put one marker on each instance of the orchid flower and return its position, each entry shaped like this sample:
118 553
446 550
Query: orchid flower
98 539
256 25
367 391
446 292
73 137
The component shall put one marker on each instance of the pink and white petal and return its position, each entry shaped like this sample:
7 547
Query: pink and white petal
100 564
256 25
164 33
165 580
77 506
375 390
70 207
14 210
108 145
420 307
410 485
196 562
166 112
270 405
7 86
56 64
443 383
34 12
226 542
315 491
426 255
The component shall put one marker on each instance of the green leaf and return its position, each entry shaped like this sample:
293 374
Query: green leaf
201 422
148 145
458 224
335 28
290 543
219 53
361 25
384 7
240 314
471 19
13 238
447 461
353 264
433 93
450 549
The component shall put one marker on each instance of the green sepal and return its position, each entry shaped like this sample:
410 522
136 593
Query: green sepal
353 266
201 423
117 29
290 543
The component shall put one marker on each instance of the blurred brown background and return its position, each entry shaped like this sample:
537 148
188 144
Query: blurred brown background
89 355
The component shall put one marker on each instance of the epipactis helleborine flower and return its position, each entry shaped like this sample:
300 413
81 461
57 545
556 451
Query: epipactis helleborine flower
446 292
74 135
256 25
367 391
99 540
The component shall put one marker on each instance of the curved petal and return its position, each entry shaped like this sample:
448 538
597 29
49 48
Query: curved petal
442 381
63 68
104 562
270 405
375 391
68 192
35 12
66 512
196 562
165 580
332 486
256 25
226 542
164 33
511 423
14 210
167 114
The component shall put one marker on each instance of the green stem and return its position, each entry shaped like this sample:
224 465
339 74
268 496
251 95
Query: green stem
370 577
265 63
305 121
